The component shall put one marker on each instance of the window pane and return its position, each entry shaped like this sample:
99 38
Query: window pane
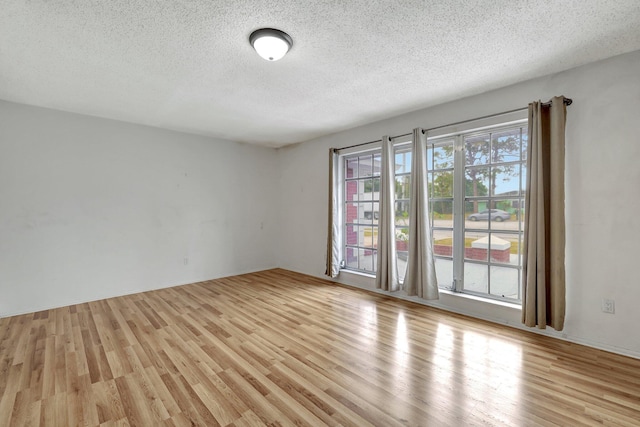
376 189
443 243
477 214
403 161
476 277
371 188
377 161
444 273
442 213
477 181
365 213
351 212
402 238
402 212
376 212
443 157
351 168
351 235
520 214
476 150
365 168
504 282
403 186
503 214
525 142
366 259
351 191
476 246
500 248
505 180
443 251
402 246
442 184
369 237
506 248
505 146
489 216
367 189
351 258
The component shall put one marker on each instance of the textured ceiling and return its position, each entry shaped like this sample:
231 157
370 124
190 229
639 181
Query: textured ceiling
187 64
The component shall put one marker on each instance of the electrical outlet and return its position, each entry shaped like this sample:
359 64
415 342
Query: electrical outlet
608 306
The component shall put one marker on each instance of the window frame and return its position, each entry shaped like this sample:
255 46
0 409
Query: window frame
401 146
460 199
455 133
373 221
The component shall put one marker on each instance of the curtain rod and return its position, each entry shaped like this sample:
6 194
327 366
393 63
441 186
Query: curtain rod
567 101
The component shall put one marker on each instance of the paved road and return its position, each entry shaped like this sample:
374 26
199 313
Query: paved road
484 225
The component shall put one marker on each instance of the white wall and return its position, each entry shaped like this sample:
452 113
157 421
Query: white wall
92 208
602 202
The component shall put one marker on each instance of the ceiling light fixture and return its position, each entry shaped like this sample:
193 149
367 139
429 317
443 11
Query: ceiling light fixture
271 44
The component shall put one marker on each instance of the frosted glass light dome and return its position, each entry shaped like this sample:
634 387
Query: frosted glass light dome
271 44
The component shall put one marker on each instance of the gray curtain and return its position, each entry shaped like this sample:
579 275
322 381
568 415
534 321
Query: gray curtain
420 278
387 270
543 269
333 246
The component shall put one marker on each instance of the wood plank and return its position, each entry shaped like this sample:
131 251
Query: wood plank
281 348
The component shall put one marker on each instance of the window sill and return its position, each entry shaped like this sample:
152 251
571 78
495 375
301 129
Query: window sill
481 300
357 273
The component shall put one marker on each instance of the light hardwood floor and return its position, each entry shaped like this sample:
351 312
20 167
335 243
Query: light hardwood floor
280 348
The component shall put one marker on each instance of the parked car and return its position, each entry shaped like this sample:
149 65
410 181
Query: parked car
496 215
371 215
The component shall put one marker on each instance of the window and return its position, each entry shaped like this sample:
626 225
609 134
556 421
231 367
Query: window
440 182
475 185
361 196
476 196
402 190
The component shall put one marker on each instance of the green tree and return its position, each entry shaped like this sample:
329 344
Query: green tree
372 185
478 152
403 189
442 186
504 148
